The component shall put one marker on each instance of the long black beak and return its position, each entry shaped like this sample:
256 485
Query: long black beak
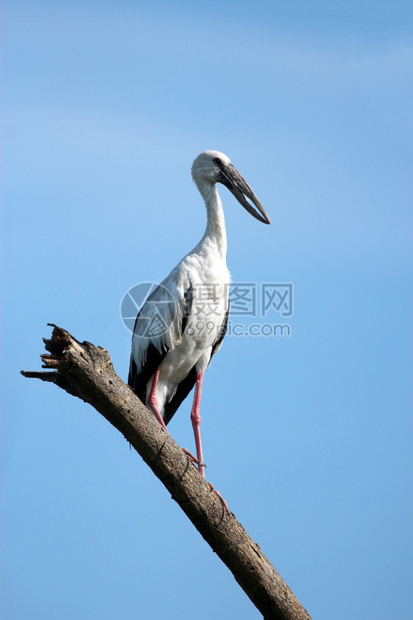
237 185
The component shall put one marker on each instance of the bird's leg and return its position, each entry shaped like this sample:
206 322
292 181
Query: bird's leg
152 401
196 422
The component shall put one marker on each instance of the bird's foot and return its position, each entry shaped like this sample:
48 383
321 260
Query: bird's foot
193 458
224 503
201 469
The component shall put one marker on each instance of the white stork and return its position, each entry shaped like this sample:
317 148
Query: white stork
191 306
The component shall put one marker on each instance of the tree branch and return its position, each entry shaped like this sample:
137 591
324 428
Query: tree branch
86 371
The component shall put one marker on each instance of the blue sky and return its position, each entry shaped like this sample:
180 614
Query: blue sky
308 437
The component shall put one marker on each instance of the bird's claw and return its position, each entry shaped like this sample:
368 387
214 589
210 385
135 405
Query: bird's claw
224 503
193 458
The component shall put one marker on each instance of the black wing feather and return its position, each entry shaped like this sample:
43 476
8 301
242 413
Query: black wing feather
188 300
221 335
139 380
181 393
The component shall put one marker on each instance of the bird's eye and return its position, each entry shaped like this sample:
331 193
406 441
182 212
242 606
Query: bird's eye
219 164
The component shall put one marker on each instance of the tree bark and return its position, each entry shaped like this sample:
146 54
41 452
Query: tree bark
86 371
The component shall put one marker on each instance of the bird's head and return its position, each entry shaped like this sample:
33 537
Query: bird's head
212 167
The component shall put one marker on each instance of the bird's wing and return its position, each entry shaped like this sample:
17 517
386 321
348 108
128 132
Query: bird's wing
223 330
158 327
186 385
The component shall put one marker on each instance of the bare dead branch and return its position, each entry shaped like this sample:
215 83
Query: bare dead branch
86 371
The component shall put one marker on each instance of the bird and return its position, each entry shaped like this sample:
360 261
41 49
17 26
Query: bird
183 321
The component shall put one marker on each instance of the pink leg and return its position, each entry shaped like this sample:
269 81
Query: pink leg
196 422
152 401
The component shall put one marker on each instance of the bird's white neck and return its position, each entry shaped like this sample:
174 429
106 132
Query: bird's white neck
215 228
